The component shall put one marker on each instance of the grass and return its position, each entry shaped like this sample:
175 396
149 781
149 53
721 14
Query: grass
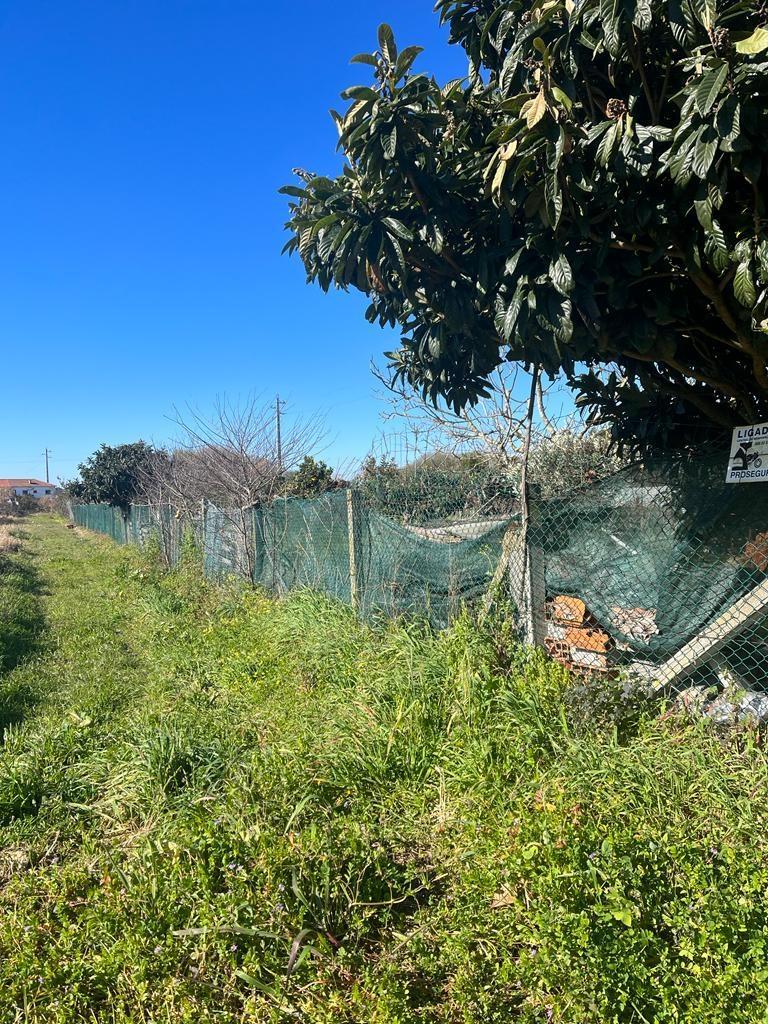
21 607
10 541
219 807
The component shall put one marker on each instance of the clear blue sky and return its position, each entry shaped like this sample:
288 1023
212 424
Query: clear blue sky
140 227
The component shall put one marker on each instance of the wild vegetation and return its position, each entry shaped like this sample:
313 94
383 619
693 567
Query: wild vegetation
13 505
20 603
215 806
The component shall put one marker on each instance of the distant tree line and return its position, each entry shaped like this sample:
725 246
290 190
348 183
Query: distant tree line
125 474
441 485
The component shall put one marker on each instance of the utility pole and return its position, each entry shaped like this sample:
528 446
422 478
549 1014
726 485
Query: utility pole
278 411
47 474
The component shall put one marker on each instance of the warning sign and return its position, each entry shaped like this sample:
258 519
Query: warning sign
748 462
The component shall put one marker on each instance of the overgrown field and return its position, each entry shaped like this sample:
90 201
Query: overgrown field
219 807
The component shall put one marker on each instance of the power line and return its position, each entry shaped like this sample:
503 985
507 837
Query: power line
34 458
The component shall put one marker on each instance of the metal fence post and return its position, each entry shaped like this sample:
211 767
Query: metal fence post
535 583
274 544
203 504
255 568
353 531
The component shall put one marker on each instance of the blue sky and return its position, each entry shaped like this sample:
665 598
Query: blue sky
140 226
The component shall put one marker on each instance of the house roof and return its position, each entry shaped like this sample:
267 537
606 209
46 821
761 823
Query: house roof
25 482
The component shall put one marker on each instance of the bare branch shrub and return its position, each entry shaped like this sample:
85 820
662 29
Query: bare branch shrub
236 459
493 429
17 505
565 452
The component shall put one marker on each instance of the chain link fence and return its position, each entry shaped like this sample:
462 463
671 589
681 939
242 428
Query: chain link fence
338 542
659 570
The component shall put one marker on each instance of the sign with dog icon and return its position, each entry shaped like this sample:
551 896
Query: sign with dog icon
748 462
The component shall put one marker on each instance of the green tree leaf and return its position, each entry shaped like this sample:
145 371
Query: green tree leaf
406 59
709 86
755 43
387 42
553 199
703 209
744 285
512 312
389 143
561 275
609 13
608 144
704 153
397 228
706 12
535 109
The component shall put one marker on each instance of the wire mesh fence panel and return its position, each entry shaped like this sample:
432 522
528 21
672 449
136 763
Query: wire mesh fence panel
430 571
140 525
305 543
223 542
104 519
166 522
660 569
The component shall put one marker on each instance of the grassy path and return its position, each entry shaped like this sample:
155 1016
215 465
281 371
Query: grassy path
215 807
88 637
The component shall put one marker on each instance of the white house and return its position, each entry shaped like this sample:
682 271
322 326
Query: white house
36 488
